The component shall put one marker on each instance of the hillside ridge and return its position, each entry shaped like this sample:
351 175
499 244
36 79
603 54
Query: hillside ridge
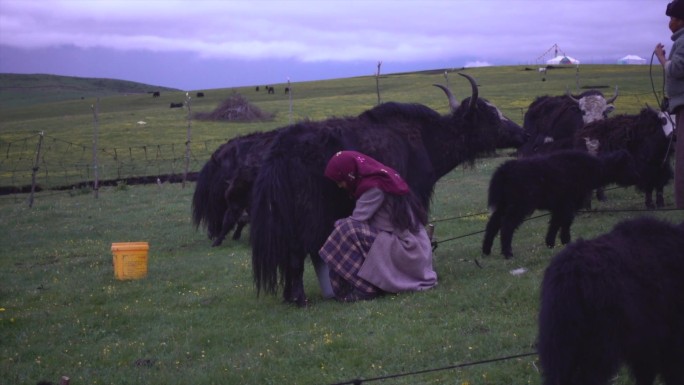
30 89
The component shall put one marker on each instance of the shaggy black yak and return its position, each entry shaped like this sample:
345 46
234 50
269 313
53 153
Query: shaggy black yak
224 185
613 300
647 136
559 182
294 206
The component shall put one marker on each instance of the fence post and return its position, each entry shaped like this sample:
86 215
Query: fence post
289 93
96 182
35 167
377 81
187 143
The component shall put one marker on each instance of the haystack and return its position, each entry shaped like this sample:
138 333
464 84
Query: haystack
235 109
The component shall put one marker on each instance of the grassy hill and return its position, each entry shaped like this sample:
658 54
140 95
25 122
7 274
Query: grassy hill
23 90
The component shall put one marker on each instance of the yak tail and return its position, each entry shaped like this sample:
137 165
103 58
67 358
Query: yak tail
271 225
208 200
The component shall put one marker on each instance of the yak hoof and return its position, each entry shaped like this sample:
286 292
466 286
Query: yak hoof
217 242
298 301
508 255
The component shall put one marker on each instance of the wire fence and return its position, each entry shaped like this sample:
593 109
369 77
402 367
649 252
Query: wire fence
60 164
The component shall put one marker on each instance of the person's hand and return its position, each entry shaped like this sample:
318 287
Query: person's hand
660 53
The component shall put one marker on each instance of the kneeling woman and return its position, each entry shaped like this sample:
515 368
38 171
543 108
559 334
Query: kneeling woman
383 245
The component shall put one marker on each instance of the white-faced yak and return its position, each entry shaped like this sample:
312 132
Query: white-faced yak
294 206
552 119
615 300
560 182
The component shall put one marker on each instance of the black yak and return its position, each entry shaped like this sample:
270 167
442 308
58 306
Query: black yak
224 185
294 206
221 198
647 136
613 300
556 118
559 182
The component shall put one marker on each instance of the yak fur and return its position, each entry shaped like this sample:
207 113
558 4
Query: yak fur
613 300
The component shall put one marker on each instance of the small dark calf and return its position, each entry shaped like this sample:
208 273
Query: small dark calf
176 105
613 300
559 182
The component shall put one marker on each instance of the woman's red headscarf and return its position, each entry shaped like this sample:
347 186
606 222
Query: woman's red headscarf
361 173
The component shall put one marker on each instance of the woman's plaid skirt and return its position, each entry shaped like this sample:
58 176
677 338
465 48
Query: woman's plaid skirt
344 252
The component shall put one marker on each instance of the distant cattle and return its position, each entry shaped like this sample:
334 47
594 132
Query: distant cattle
271 90
155 94
176 105
555 118
287 90
200 94
256 88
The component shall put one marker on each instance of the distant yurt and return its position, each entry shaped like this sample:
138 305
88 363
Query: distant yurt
631 59
562 60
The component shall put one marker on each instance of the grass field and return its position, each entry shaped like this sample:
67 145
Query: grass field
196 317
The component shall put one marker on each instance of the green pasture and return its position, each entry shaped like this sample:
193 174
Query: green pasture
196 318
126 147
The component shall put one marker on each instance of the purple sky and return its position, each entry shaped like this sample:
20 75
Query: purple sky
203 44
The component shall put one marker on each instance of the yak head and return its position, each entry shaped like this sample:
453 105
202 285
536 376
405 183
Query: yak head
594 105
509 134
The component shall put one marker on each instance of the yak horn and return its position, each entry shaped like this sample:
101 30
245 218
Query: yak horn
453 103
568 94
473 85
615 95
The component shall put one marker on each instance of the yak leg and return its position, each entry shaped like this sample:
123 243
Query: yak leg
323 274
554 226
510 222
241 223
492 229
643 368
225 228
294 280
565 221
660 200
648 199
601 194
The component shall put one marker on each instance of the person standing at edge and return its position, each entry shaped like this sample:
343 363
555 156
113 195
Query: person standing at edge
383 246
674 88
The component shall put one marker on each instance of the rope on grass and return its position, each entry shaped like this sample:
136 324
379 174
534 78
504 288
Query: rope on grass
436 243
359 381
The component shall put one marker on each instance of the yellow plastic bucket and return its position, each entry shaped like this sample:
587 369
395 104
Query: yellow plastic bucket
130 260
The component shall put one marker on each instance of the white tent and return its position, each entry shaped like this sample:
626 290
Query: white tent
631 59
562 60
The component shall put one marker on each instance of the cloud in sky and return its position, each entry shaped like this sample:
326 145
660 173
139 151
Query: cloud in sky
309 39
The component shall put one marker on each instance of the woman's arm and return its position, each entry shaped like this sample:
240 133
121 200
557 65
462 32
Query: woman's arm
368 204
